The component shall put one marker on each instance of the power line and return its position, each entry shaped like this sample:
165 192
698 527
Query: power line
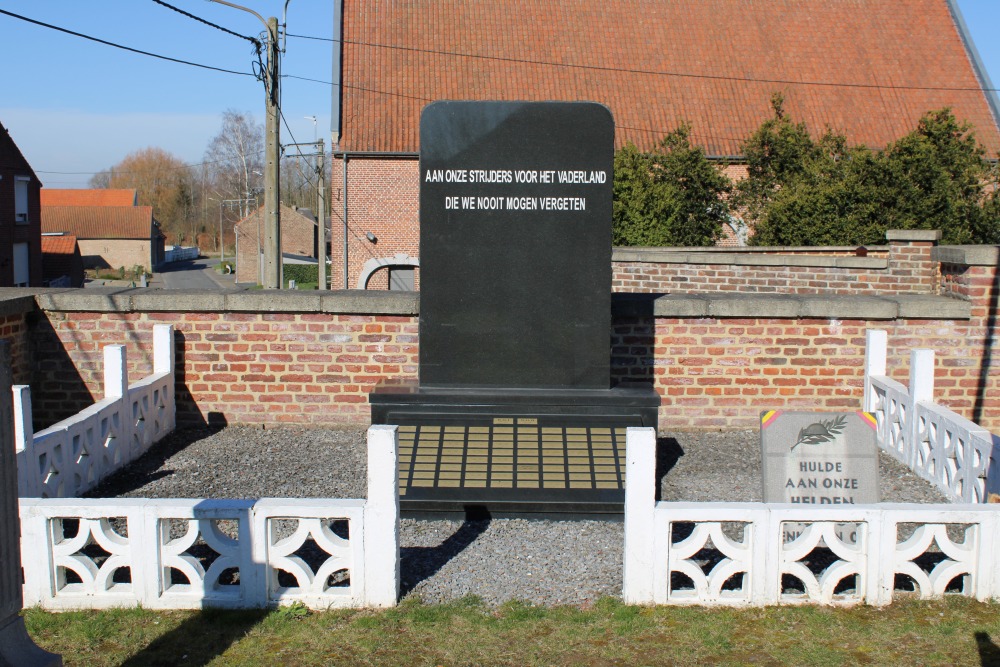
697 135
252 40
297 147
605 68
112 170
119 46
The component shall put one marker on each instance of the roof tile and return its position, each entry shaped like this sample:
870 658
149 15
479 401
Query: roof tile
92 197
869 68
99 222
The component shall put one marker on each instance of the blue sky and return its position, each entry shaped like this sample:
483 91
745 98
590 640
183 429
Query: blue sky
75 107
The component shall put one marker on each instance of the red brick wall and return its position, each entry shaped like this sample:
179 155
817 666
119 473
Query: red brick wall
317 369
248 368
11 232
721 373
691 278
382 198
14 330
909 270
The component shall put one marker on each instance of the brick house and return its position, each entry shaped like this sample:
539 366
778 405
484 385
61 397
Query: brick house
110 236
20 218
869 68
299 235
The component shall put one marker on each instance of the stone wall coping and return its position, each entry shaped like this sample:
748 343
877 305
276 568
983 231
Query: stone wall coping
740 257
139 299
913 235
763 249
16 301
361 302
970 255
793 306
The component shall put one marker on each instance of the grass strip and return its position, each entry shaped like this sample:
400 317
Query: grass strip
952 631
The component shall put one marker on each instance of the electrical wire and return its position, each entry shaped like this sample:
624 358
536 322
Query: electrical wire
119 46
297 148
348 86
130 173
619 70
252 40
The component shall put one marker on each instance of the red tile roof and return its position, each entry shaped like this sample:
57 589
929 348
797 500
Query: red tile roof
100 222
59 245
95 197
869 68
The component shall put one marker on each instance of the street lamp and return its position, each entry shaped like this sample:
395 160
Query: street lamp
313 119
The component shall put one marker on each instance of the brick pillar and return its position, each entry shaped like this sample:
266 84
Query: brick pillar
910 258
16 647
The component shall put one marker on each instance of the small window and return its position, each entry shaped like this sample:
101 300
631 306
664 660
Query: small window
21 199
22 265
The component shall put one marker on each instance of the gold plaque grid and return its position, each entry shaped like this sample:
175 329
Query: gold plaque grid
511 455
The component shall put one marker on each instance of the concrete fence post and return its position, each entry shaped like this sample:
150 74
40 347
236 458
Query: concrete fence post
163 348
921 391
381 530
922 376
116 386
16 647
24 435
164 361
115 371
876 350
640 510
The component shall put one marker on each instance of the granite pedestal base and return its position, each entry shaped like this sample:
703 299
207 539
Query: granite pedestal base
512 453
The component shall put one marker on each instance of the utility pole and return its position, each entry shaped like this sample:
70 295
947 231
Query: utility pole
319 167
321 212
272 193
272 278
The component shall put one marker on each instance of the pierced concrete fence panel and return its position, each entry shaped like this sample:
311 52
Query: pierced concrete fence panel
72 456
191 553
733 554
955 454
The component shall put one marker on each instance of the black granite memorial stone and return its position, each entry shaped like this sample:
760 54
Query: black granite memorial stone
515 244
514 409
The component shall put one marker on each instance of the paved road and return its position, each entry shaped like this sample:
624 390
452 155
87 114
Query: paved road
192 274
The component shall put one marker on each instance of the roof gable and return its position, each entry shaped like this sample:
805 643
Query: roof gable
88 197
868 68
289 216
11 156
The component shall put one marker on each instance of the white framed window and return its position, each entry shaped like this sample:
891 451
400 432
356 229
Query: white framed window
21 199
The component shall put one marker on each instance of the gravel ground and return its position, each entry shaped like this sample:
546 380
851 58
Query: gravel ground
545 562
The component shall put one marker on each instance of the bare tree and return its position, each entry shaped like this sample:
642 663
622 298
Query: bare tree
101 179
235 158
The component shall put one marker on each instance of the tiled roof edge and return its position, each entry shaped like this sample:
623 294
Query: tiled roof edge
977 64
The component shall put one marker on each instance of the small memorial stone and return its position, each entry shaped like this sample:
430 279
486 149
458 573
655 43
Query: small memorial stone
819 458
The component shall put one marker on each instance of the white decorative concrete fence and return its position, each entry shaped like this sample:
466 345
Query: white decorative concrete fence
937 444
189 554
178 253
733 553
71 457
